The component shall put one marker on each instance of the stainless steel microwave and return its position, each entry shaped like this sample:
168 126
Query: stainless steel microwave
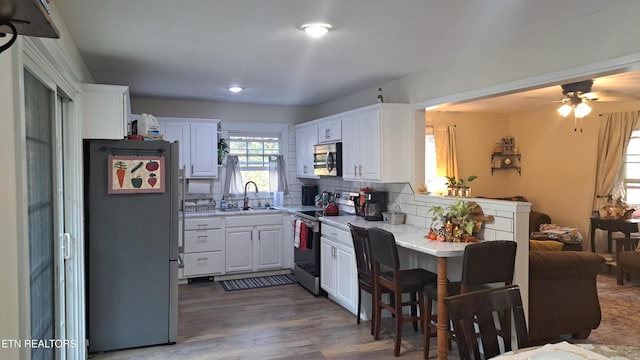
327 159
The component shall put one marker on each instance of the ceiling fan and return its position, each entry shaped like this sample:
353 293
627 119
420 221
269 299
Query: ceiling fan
577 95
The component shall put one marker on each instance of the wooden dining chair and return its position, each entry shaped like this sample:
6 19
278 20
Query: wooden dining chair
388 277
360 237
483 264
483 318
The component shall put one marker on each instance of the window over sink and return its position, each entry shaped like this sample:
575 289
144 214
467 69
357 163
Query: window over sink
253 152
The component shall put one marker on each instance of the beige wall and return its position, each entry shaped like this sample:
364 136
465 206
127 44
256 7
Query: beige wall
476 136
558 164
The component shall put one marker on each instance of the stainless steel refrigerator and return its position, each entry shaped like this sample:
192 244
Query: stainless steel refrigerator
131 243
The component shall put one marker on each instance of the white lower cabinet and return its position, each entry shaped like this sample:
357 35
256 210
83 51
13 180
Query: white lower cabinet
338 273
204 247
254 243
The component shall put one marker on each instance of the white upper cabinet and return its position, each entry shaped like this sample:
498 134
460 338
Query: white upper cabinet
198 143
306 137
181 132
376 148
204 149
330 129
104 111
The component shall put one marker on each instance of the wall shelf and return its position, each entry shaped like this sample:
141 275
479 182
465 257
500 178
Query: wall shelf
506 161
25 17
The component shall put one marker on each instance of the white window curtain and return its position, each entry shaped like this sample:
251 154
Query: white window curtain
278 174
233 178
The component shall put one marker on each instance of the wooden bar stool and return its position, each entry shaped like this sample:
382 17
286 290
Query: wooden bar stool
388 277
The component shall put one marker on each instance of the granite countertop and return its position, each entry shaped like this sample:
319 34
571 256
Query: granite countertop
407 236
253 211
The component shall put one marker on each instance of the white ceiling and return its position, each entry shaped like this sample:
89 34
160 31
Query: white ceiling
195 49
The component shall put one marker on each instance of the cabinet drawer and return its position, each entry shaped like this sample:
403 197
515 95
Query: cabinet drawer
203 240
253 220
203 263
203 223
337 235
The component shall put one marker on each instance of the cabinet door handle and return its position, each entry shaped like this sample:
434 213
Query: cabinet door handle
203 259
191 169
360 168
355 170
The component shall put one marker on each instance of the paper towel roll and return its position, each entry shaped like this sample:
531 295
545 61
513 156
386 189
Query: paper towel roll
198 186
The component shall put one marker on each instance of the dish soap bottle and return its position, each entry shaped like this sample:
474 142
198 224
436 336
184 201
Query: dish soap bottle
380 100
223 203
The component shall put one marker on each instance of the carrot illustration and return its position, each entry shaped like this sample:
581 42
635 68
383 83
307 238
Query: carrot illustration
120 172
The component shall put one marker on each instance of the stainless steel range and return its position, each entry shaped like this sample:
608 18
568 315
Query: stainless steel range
307 261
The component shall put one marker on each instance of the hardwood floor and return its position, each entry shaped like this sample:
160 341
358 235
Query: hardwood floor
287 322
283 322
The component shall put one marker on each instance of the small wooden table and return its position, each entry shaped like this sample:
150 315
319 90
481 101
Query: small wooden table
625 226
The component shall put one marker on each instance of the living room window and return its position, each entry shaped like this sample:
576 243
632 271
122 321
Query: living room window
632 170
253 155
429 157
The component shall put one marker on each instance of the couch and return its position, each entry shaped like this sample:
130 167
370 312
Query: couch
538 218
563 297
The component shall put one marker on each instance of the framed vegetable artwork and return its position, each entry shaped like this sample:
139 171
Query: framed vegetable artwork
135 174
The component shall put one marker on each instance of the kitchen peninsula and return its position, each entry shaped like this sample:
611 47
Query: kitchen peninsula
510 223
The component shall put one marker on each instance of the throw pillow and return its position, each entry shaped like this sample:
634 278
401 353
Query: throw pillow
545 245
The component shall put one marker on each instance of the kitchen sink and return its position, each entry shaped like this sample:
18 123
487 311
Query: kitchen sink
240 210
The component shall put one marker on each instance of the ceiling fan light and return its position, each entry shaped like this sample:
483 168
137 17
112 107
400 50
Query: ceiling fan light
564 110
582 110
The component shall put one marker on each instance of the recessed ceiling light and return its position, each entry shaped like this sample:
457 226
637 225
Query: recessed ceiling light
235 89
316 29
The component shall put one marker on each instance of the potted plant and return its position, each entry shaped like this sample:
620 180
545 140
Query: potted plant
455 221
223 150
464 190
452 186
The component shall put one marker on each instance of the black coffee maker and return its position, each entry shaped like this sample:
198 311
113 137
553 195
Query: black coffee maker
374 204
309 193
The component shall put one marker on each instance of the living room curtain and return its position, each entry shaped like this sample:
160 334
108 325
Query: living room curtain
446 156
613 139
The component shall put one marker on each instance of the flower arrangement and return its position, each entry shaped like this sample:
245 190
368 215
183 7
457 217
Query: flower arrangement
452 223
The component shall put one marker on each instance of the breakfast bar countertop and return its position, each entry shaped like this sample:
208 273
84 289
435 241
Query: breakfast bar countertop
407 236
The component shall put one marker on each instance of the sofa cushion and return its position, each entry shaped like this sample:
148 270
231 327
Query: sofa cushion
545 245
563 264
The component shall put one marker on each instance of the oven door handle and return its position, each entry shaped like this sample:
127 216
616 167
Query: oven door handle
313 225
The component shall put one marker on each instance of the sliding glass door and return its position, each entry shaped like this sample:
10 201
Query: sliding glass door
43 116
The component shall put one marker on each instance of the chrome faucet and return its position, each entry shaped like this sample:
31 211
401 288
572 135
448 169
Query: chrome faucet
246 198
